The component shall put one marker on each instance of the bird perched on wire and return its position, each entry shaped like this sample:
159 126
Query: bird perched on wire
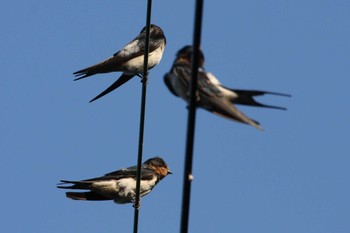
120 185
211 94
129 60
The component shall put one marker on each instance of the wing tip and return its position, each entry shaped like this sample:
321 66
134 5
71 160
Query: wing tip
76 196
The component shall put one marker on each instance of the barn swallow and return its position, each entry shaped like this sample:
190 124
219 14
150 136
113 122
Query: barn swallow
129 60
120 185
211 94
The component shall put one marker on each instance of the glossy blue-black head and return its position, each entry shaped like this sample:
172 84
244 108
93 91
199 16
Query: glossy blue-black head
186 53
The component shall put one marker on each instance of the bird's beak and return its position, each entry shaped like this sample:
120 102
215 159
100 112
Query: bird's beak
169 172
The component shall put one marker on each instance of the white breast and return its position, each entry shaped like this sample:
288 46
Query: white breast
126 189
122 190
135 65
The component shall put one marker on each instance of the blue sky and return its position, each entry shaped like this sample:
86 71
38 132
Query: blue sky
292 177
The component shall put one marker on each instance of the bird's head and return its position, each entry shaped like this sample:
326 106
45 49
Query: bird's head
186 54
159 165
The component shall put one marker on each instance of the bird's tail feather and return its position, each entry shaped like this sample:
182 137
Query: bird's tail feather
84 73
246 97
74 184
105 66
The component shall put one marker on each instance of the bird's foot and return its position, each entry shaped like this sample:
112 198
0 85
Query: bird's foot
144 80
136 204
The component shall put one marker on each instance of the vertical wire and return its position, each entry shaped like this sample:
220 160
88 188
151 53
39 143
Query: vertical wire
191 118
142 116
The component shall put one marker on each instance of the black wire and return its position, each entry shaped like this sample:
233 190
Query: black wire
142 117
191 118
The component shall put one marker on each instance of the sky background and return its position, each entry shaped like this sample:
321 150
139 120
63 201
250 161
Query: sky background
292 177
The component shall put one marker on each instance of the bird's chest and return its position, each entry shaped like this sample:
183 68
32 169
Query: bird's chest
126 189
135 65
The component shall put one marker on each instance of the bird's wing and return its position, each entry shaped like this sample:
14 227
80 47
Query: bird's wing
91 196
120 81
131 172
167 80
181 71
136 48
213 99
206 86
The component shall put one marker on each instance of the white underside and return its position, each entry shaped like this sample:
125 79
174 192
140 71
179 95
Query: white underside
135 65
123 190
